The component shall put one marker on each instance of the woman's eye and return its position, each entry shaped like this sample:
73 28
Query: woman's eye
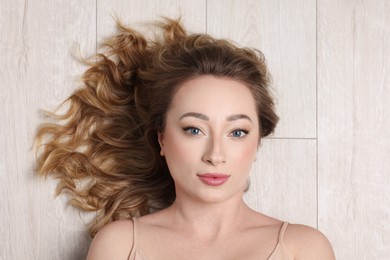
192 130
239 133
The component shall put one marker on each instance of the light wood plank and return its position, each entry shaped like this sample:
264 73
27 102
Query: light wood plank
354 123
283 181
140 13
37 71
285 31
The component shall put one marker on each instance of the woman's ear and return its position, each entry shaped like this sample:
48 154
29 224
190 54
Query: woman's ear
160 136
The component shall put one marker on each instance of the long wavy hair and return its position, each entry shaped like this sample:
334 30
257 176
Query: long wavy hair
104 148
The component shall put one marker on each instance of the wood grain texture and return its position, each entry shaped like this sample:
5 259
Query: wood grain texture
352 147
285 32
140 14
37 71
283 181
354 123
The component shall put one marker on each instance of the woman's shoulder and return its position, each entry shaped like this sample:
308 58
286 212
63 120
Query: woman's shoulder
305 242
113 240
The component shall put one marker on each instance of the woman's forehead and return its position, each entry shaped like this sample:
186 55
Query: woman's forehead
213 95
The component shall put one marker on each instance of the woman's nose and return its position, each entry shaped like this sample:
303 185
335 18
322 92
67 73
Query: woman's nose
214 153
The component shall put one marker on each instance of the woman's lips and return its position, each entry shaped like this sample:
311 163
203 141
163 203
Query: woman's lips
213 179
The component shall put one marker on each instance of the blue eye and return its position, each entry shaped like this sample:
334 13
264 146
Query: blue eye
192 130
239 133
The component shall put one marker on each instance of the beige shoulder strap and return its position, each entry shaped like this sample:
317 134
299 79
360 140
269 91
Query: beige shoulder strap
282 231
135 239
135 232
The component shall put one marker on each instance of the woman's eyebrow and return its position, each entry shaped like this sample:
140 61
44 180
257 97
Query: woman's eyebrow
194 114
238 116
206 118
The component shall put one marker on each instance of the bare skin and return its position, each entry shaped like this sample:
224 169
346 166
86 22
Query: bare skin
212 127
168 235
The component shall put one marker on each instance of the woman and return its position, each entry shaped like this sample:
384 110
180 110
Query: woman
160 142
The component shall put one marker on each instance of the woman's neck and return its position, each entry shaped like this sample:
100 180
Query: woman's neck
209 219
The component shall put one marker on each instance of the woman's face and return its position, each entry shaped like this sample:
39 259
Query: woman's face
210 138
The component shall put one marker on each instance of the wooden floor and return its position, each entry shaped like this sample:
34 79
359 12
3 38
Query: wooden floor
327 165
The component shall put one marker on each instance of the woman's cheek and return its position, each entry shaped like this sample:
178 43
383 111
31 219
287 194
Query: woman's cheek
182 150
246 153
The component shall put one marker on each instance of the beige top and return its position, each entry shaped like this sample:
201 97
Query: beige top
280 252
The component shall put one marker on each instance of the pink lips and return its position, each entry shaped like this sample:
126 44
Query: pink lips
213 179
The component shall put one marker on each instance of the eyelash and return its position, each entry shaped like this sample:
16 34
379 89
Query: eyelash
189 128
245 132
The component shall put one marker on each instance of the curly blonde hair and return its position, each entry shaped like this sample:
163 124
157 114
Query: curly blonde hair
104 148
